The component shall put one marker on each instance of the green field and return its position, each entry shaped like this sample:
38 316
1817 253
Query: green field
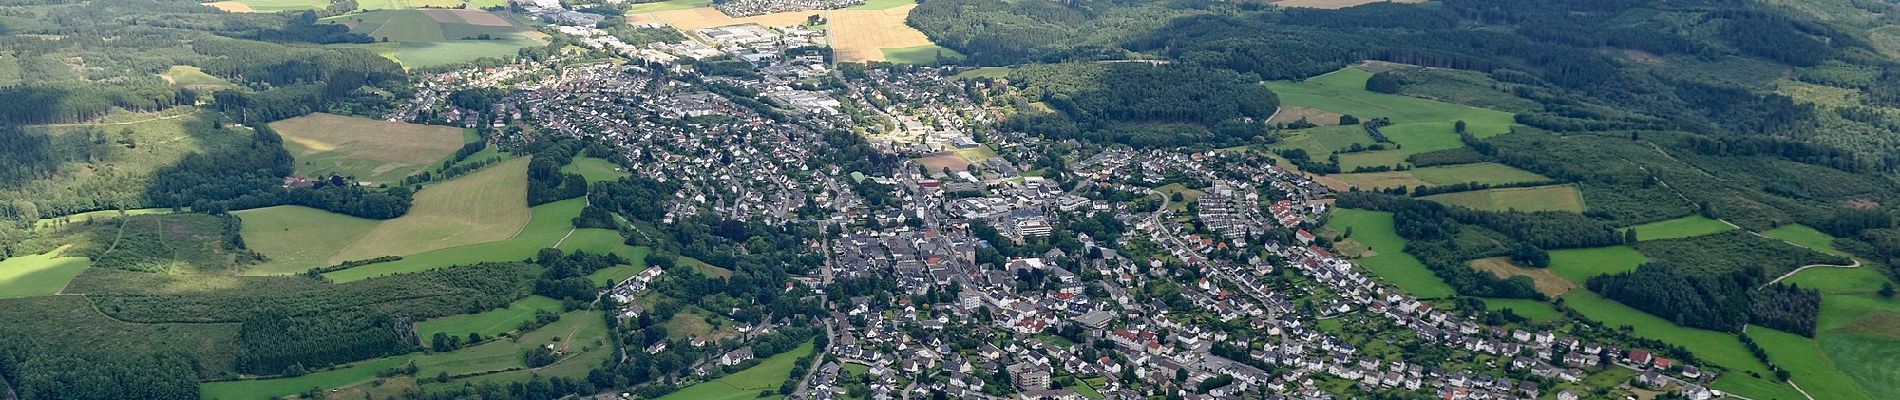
1534 310
97 216
1802 235
1721 349
549 223
298 238
1755 388
985 72
1861 334
485 206
1371 159
1526 199
921 55
1486 173
611 275
667 6
359 372
418 41
1419 125
1374 229
1579 265
1865 280
405 4
1320 141
285 5
881 4
745 384
193 77
488 323
1690 226
1802 357
38 274
367 149
594 169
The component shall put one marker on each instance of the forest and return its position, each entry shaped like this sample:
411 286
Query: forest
1142 104
1723 302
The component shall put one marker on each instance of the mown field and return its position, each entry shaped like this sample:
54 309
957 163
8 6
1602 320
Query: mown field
1374 230
1420 125
1547 281
367 149
1802 358
1486 173
1534 310
595 169
297 238
920 55
194 78
489 323
1578 265
548 223
1685 227
745 384
1804 236
1720 349
427 38
1526 199
485 206
38 274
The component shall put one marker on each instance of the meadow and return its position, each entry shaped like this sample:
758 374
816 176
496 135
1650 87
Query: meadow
1486 173
1685 227
667 6
485 206
1861 335
367 149
297 238
190 77
549 222
489 323
881 4
428 38
595 169
1526 199
929 54
1578 265
38 274
1721 349
1547 281
1804 236
71 321
1374 230
1534 310
1802 358
1419 125
745 384
279 5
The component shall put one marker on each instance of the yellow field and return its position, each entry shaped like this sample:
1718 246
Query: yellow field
368 149
232 6
861 35
485 206
1547 282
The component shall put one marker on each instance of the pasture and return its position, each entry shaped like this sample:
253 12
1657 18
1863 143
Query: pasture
1526 199
297 238
1420 125
1802 358
1371 159
1804 236
929 54
595 169
489 323
367 149
1685 227
1578 265
269 5
435 37
484 206
39 274
745 384
1721 349
1861 334
1547 282
1486 173
546 226
1374 230
189 77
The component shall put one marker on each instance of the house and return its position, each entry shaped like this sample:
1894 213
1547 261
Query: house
735 357
1639 358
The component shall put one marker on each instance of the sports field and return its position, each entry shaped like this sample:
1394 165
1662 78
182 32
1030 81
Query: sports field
1374 230
1486 173
595 169
434 37
1537 198
1547 281
1420 125
1578 265
485 206
549 222
298 238
746 384
38 274
1685 227
370 150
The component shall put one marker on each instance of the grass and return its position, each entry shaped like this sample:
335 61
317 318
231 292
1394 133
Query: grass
1374 229
1578 265
98 216
611 275
1054 340
1685 227
1187 195
1609 377
268 388
1861 334
1804 236
484 206
1865 280
418 41
549 223
1755 388
1320 141
297 238
1802 358
1546 281
1419 125
367 149
1721 349
922 55
745 384
193 77
38 274
881 4
1371 159
488 323
667 5
72 322
1534 310
285 5
595 169
1537 198
985 72
1486 173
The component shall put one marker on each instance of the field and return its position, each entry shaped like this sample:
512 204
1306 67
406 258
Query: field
1374 229
1289 114
298 238
860 35
1802 358
1685 227
1371 159
270 5
1486 173
1187 195
938 162
1578 265
119 175
405 4
485 206
881 4
667 5
1546 280
190 77
38 274
688 19
1420 125
1802 235
1334 4
367 149
1720 349
488 323
1537 198
1861 334
427 38
549 222
745 384
595 169
929 54
97 216
1532 309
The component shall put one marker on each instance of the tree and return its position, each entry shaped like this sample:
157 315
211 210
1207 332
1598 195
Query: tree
1348 119
1886 290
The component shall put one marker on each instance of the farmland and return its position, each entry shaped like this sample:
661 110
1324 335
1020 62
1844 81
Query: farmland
38 274
1537 198
1419 125
667 5
1486 173
1718 348
489 323
485 206
367 149
871 34
1547 282
1685 227
426 38
1804 236
1812 370
1578 265
297 238
595 169
1860 335
270 5
1374 230
745 384
549 222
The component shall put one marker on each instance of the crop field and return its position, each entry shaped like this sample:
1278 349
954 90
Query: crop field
1804 236
1420 125
595 169
1547 282
488 323
269 5
484 206
1719 348
1685 227
745 384
190 77
298 238
1802 358
426 38
1374 229
1486 173
860 35
1578 265
1534 310
38 274
1527 199
367 149
549 222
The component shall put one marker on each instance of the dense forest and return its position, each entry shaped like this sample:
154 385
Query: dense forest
1142 104
1723 302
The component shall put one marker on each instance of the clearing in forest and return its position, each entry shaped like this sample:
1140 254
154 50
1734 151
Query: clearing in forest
1420 125
432 37
1685 227
485 206
367 149
1527 199
38 274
